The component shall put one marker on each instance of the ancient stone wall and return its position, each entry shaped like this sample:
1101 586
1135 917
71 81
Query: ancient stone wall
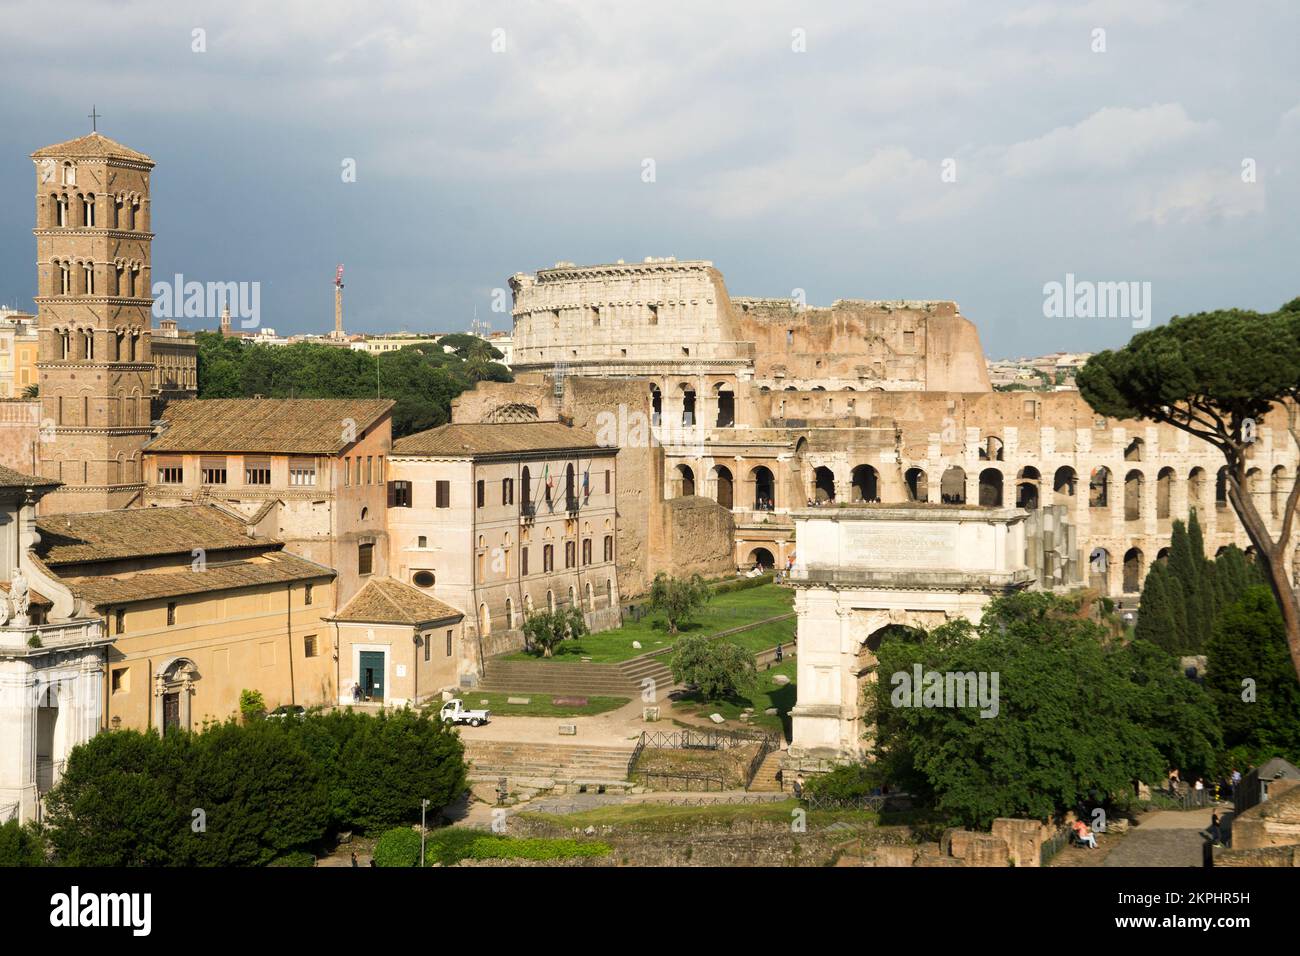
699 534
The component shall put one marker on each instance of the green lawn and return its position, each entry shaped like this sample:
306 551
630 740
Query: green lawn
723 612
539 705
651 816
769 694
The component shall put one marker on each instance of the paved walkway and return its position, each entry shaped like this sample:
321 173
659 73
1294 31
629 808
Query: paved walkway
1161 838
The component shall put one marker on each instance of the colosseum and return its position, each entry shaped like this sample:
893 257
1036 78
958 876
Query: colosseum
767 405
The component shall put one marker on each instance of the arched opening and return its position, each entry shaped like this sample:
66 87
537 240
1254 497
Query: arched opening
1133 451
991 487
764 488
683 482
1099 488
1132 571
992 449
1063 484
761 558
550 601
656 404
866 484
1162 554
1164 491
823 485
918 485
688 405
591 598
1134 482
1221 488
1277 491
484 620
722 484
726 400
1027 488
952 486
1253 486
510 613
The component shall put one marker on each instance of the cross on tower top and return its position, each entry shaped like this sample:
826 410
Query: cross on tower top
93 116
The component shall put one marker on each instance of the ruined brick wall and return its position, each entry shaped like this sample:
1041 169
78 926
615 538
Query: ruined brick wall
903 346
699 533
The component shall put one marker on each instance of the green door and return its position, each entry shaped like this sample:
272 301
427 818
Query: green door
372 676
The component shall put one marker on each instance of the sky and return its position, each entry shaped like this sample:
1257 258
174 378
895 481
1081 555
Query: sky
974 151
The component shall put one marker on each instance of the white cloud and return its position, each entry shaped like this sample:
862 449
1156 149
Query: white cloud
1202 196
1109 140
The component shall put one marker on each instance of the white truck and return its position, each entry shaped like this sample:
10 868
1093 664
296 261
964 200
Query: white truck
455 711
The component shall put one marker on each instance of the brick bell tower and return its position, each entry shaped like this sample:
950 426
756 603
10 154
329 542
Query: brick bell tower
94 307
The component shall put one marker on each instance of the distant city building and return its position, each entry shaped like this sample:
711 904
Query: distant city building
391 342
19 343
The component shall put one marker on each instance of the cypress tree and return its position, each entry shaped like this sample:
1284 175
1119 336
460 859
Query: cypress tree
1157 621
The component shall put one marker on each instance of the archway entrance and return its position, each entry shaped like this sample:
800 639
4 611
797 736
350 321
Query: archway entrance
764 488
723 484
866 484
824 483
763 558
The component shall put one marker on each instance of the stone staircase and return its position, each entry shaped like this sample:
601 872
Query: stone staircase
543 766
548 677
654 667
765 780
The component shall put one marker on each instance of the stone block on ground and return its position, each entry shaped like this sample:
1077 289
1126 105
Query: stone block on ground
568 730
717 718
519 700
780 680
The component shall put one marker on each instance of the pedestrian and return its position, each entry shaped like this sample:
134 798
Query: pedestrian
1216 829
354 857
798 787
778 653
356 693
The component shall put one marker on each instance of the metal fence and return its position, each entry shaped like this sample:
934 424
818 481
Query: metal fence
680 780
1053 845
869 802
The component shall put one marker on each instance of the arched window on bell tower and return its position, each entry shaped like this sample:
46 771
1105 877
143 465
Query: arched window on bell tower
65 279
88 211
61 210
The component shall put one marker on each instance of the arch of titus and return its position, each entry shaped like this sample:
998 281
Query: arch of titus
862 568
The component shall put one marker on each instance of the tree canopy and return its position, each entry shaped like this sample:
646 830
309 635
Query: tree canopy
1077 718
422 379
1216 375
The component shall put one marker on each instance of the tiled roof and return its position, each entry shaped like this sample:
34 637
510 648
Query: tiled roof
475 438
385 601
93 145
273 567
286 426
139 532
16 479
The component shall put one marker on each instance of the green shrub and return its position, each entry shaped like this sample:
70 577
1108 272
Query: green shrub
743 584
296 858
399 847
252 704
21 845
450 845
846 782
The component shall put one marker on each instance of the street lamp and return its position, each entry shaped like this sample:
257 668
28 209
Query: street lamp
424 805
